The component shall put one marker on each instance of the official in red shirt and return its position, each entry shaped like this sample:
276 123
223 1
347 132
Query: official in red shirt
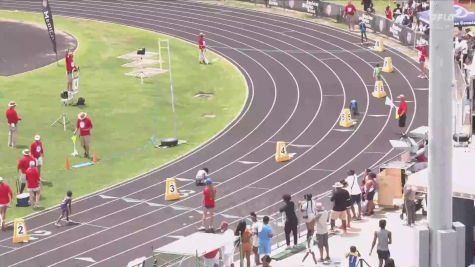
388 13
83 127
70 67
209 197
350 11
6 196
402 111
33 183
37 151
422 59
12 120
202 48
23 164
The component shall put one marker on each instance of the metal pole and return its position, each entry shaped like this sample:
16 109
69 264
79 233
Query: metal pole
172 90
440 123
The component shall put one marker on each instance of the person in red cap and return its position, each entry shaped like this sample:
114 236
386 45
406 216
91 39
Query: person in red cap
12 119
84 126
350 11
23 165
37 151
422 59
70 67
402 111
6 196
33 184
202 48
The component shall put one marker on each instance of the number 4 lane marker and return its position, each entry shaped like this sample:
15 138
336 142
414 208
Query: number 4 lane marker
88 259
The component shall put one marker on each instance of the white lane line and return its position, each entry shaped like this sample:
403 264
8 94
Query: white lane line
377 115
333 95
247 162
155 204
297 145
107 197
131 200
94 225
176 236
88 259
407 101
325 170
259 188
330 58
343 130
421 89
183 179
374 152
8 247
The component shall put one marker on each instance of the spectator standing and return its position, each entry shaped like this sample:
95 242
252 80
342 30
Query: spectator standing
6 197
291 221
209 197
202 48
322 218
397 11
309 210
37 151
422 59
245 234
370 189
70 67
383 238
355 192
340 200
348 204
388 13
353 257
33 183
201 176
402 112
23 165
12 120
65 207
84 126
362 26
349 12
265 238
410 204
377 73
256 229
228 251
367 5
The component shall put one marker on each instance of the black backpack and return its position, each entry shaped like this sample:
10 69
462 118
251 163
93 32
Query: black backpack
64 95
81 101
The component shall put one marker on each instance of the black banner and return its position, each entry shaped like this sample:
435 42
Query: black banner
49 23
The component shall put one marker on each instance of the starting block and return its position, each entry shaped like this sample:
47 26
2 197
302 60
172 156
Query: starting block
388 65
20 233
171 191
354 107
378 91
345 119
281 153
378 45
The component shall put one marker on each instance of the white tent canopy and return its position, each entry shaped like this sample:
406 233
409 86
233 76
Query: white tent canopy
196 244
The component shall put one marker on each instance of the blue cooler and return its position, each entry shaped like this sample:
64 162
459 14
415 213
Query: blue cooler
22 200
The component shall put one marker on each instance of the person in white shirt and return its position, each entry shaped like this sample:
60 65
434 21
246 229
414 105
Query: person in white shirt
322 217
228 250
355 192
309 210
201 176
256 229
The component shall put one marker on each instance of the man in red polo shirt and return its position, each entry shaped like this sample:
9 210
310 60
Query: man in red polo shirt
23 165
202 48
422 59
12 119
350 11
402 112
37 151
84 126
33 184
70 67
6 196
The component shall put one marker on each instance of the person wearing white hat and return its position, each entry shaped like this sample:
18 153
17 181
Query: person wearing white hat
340 199
12 120
83 127
6 196
23 165
402 112
37 151
33 183
202 48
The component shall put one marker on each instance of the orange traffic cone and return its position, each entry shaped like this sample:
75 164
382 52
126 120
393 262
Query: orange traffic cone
68 165
94 157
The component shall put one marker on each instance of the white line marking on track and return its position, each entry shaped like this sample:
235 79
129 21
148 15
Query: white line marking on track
131 200
343 130
260 188
247 162
88 259
107 197
8 247
377 115
334 95
94 225
374 152
155 204
229 216
296 145
176 236
325 170
421 89
183 179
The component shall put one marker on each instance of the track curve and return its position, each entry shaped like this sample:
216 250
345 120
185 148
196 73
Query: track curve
299 75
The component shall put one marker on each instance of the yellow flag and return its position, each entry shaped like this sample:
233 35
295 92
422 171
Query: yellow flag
74 138
397 116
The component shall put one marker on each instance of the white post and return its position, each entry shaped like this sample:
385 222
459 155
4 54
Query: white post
172 88
441 62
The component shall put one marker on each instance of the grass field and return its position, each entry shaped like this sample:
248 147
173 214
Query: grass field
125 113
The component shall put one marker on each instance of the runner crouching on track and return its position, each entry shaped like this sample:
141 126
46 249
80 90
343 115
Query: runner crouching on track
209 197
65 208
6 196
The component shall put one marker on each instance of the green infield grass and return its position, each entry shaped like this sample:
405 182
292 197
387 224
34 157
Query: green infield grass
125 113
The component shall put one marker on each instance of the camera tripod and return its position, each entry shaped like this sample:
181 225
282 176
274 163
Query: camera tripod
63 119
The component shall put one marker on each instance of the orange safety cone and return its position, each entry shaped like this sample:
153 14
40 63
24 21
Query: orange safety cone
68 165
94 157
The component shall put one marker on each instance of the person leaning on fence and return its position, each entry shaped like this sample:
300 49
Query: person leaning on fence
349 13
12 120
362 26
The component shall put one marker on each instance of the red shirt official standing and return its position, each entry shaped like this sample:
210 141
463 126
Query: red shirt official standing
70 67
422 59
388 13
209 198
6 196
12 120
350 10
84 126
33 184
202 49
402 111
37 151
